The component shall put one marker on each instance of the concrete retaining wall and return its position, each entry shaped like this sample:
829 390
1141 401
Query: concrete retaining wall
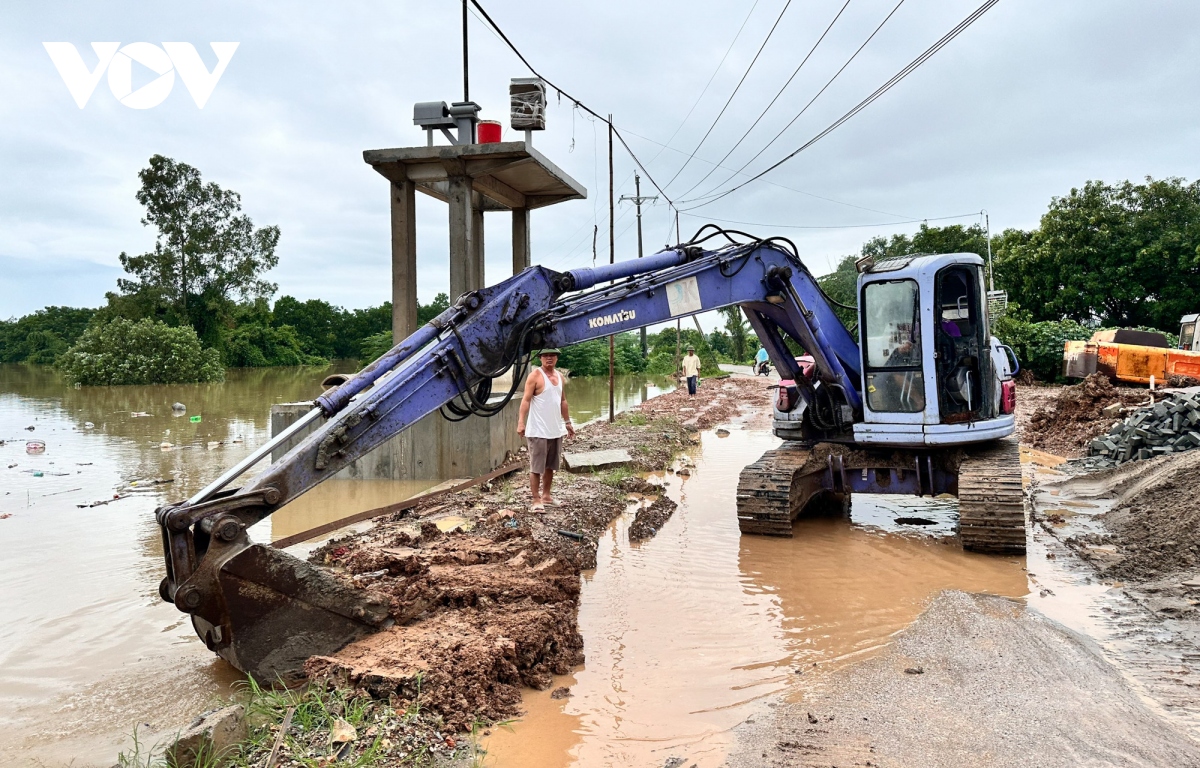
431 449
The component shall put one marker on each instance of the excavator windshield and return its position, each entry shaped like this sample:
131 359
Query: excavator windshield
892 343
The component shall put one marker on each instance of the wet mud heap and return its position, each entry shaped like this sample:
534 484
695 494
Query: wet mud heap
1154 524
650 519
483 591
1077 415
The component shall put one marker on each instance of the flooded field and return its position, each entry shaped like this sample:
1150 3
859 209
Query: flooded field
87 649
687 634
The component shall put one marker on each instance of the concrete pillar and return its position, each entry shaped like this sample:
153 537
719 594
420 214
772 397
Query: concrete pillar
477 243
404 259
520 239
466 266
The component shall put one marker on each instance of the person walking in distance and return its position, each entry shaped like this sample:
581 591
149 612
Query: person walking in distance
543 421
691 369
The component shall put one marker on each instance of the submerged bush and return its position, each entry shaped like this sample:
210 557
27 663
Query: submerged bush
143 352
255 345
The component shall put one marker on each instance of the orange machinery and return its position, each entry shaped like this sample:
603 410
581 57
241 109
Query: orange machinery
1135 356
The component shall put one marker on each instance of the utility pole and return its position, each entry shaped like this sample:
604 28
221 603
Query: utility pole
637 200
466 77
612 257
991 270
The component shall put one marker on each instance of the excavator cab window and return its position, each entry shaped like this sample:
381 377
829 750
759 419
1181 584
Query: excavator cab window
891 336
959 335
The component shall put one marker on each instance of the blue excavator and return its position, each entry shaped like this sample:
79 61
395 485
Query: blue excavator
915 397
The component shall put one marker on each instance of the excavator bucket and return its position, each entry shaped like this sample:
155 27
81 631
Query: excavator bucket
274 611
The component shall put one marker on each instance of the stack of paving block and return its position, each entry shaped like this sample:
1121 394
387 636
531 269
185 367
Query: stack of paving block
1169 426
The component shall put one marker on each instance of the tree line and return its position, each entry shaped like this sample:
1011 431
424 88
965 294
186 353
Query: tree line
1104 255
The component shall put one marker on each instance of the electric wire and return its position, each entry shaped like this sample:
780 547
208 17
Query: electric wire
766 109
891 83
832 226
811 101
736 88
585 107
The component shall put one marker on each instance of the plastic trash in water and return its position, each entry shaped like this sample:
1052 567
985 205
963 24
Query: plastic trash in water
194 419
35 446
88 425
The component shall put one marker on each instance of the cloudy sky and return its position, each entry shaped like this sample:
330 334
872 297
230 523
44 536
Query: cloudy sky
1036 97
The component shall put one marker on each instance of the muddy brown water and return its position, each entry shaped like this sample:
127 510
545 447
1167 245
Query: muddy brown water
692 632
87 649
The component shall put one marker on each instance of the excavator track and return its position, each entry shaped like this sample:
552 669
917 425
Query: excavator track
768 494
991 500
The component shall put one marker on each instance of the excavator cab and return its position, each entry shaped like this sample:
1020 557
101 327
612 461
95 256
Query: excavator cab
932 373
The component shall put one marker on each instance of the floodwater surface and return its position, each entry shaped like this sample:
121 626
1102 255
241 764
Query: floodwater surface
686 635
88 651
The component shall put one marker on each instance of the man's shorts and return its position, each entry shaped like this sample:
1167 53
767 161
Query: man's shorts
544 453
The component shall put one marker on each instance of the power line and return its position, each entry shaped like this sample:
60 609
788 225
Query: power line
811 101
832 226
903 73
772 183
583 106
776 98
736 88
703 91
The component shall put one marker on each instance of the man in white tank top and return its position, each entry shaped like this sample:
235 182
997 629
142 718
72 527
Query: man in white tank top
543 421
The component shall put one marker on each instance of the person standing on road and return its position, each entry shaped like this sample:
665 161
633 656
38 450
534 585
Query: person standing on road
760 357
542 421
691 369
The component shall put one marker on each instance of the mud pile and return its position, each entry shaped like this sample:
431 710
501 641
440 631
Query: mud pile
1071 420
1171 425
493 615
650 519
1154 524
484 592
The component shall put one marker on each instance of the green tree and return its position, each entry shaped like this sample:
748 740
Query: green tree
841 285
42 336
315 323
207 252
139 352
1118 255
426 312
739 333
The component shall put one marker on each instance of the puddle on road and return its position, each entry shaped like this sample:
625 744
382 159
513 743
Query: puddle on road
686 634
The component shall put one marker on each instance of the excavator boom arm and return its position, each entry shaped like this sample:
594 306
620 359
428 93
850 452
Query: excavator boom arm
450 364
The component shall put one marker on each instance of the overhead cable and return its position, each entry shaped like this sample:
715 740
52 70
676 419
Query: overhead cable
766 109
581 105
811 101
903 73
833 226
736 88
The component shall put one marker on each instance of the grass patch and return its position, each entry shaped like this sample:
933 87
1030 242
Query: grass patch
385 734
613 477
633 419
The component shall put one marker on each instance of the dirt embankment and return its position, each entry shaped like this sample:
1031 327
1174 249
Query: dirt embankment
976 680
490 605
1064 420
1153 528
